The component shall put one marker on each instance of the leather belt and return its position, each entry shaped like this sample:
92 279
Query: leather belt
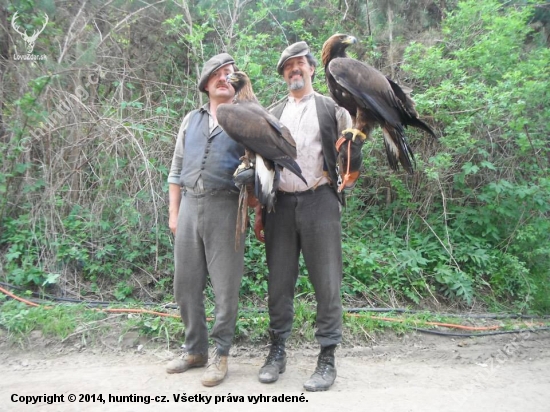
305 192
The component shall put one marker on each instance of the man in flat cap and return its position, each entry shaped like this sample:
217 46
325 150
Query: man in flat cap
203 212
306 219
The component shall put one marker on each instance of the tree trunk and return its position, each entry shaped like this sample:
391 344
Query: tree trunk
4 58
369 31
390 37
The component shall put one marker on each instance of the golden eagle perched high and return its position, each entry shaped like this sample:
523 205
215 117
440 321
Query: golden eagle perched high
371 99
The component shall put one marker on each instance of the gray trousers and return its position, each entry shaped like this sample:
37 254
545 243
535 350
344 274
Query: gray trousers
205 245
308 222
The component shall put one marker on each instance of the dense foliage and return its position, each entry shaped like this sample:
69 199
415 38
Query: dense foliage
87 134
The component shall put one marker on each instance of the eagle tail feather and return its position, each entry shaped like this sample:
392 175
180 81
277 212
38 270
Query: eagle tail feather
415 122
265 180
398 149
290 164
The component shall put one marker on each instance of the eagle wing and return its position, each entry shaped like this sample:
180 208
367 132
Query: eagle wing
259 131
385 102
369 88
378 101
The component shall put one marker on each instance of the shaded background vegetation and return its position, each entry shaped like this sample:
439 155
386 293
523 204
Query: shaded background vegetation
86 139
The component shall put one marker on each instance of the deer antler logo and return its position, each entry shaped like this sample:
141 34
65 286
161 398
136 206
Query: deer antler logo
28 39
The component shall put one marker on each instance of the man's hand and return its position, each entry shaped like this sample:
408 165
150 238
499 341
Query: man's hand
252 199
174 198
173 221
258 224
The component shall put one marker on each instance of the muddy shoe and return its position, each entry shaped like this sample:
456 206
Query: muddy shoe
187 361
325 372
275 362
216 371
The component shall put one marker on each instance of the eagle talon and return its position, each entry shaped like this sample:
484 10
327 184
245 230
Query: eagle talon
354 133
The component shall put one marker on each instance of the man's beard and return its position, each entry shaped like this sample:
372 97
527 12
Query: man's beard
297 84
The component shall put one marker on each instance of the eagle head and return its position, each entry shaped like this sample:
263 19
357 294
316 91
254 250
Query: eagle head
238 80
336 46
242 85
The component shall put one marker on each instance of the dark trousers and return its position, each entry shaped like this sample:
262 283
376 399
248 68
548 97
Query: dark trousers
307 222
205 245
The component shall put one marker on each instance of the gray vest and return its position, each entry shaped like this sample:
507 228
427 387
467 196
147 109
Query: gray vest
213 156
328 126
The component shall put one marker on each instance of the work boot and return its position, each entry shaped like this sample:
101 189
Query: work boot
187 361
275 362
325 372
216 370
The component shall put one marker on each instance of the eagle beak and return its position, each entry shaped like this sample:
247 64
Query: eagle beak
350 40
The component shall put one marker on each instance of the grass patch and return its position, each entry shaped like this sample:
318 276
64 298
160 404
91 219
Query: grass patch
63 322
58 322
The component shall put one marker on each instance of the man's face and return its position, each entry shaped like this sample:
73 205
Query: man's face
217 86
297 72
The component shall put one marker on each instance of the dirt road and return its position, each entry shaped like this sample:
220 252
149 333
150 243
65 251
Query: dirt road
416 372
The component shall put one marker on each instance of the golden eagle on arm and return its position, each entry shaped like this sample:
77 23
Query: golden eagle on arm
371 99
268 143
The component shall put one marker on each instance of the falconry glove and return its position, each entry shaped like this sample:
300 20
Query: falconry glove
350 159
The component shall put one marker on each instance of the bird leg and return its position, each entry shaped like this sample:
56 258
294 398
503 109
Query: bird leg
246 163
354 133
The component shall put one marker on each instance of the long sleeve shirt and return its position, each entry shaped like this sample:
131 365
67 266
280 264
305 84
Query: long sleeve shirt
301 119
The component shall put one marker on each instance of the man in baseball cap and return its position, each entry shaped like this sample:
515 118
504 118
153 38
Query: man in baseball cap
202 216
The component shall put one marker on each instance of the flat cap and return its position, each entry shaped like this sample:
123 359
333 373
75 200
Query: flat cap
211 66
294 50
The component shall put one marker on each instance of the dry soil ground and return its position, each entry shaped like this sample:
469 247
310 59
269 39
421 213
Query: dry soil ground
416 372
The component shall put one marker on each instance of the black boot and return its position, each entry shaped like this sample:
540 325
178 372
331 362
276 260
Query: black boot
325 372
275 362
